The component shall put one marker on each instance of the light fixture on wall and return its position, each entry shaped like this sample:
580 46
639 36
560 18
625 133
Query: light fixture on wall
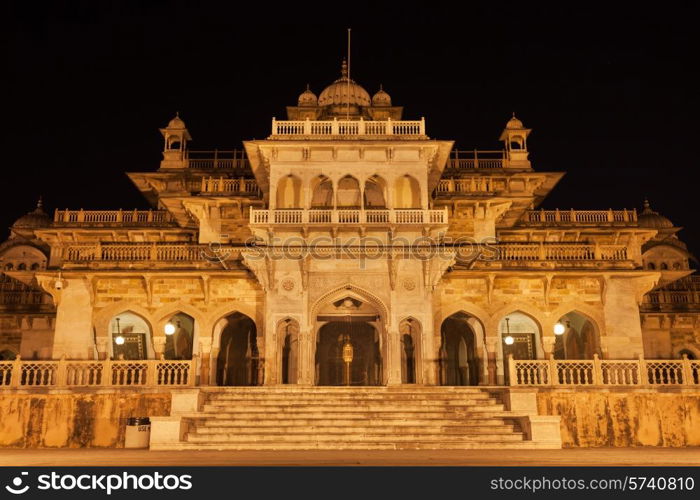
169 328
119 339
559 328
508 339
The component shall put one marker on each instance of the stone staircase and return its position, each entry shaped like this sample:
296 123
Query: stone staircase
359 418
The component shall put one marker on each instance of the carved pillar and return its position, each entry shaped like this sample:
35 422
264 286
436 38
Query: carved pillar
73 331
495 367
205 362
306 359
213 360
158 346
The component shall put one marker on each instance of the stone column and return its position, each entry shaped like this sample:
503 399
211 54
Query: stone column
205 362
213 360
393 358
621 335
494 367
306 359
73 331
158 346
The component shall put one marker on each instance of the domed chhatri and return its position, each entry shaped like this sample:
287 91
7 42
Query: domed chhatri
344 91
34 219
176 123
308 98
381 98
651 219
514 123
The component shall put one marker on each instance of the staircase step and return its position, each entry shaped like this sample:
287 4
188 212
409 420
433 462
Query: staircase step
346 422
384 429
345 437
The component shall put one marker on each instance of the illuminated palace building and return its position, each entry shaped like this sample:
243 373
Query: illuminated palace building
348 248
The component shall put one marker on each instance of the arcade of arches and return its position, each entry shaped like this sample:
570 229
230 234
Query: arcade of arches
351 345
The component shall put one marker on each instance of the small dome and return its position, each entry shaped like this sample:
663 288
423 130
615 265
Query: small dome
381 98
653 220
514 123
308 98
35 218
344 91
176 122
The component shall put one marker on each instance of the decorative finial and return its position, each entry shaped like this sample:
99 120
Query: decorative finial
307 88
344 69
513 114
646 202
381 87
40 203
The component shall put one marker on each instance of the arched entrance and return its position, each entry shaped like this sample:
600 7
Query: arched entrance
579 337
348 344
459 364
410 335
179 336
238 362
288 333
131 337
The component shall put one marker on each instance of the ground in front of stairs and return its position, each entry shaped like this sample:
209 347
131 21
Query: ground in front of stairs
566 457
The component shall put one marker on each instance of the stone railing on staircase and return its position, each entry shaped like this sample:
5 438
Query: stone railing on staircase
64 373
604 372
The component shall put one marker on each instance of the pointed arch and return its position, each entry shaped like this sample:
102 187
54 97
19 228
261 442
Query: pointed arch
411 334
289 192
581 338
322 192
375 192
288 350
348 193
407 192
136 334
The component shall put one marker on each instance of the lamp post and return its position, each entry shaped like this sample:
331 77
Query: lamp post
119 339
508 339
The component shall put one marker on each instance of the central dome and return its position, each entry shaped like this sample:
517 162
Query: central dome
344 91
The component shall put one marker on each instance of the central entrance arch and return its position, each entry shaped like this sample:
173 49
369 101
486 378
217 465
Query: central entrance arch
349 343
459 363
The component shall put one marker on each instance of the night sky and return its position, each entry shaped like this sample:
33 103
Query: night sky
611 96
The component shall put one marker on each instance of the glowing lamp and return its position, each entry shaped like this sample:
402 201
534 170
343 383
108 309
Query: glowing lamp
509 340
559 329
169 329
119 340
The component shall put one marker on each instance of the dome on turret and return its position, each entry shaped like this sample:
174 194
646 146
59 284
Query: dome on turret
344 91
176 122
35 218
381 98
653 220
514 123
308 98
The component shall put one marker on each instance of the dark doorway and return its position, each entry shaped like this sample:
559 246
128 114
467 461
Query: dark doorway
366 364
458 361
238 360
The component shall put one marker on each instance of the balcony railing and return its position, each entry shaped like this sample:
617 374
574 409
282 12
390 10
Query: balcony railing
473 185
603 372
64 373
112 217
347 216
230 186
217 160
475 160
348 128
135 252
579 217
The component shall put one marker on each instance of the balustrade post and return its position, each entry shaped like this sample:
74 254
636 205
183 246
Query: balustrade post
241 185
98 250
643 374
334 126
573 215
553 372
16 379
204 185
634 214
422 125
361 127
597 370
687 370
120 215
512 372
476 159
152 372
274 126
154 251
557 216
81 215
389 127
611 217
150 215
106 371
61 374
542 251
597 255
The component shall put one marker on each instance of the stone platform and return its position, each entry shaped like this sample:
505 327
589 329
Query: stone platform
354 418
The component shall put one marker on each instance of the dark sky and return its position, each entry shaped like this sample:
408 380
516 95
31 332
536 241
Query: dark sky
611 95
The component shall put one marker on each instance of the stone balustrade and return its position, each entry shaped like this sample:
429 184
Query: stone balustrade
560 252
112 217
671 300
347 216
217 160
579 217
64 373
329 129
230 186
476 185
477 160
603 372
182 254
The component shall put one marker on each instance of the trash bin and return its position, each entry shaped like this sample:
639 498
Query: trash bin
138 432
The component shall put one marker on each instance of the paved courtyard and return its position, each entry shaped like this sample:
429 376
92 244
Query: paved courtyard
574 457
